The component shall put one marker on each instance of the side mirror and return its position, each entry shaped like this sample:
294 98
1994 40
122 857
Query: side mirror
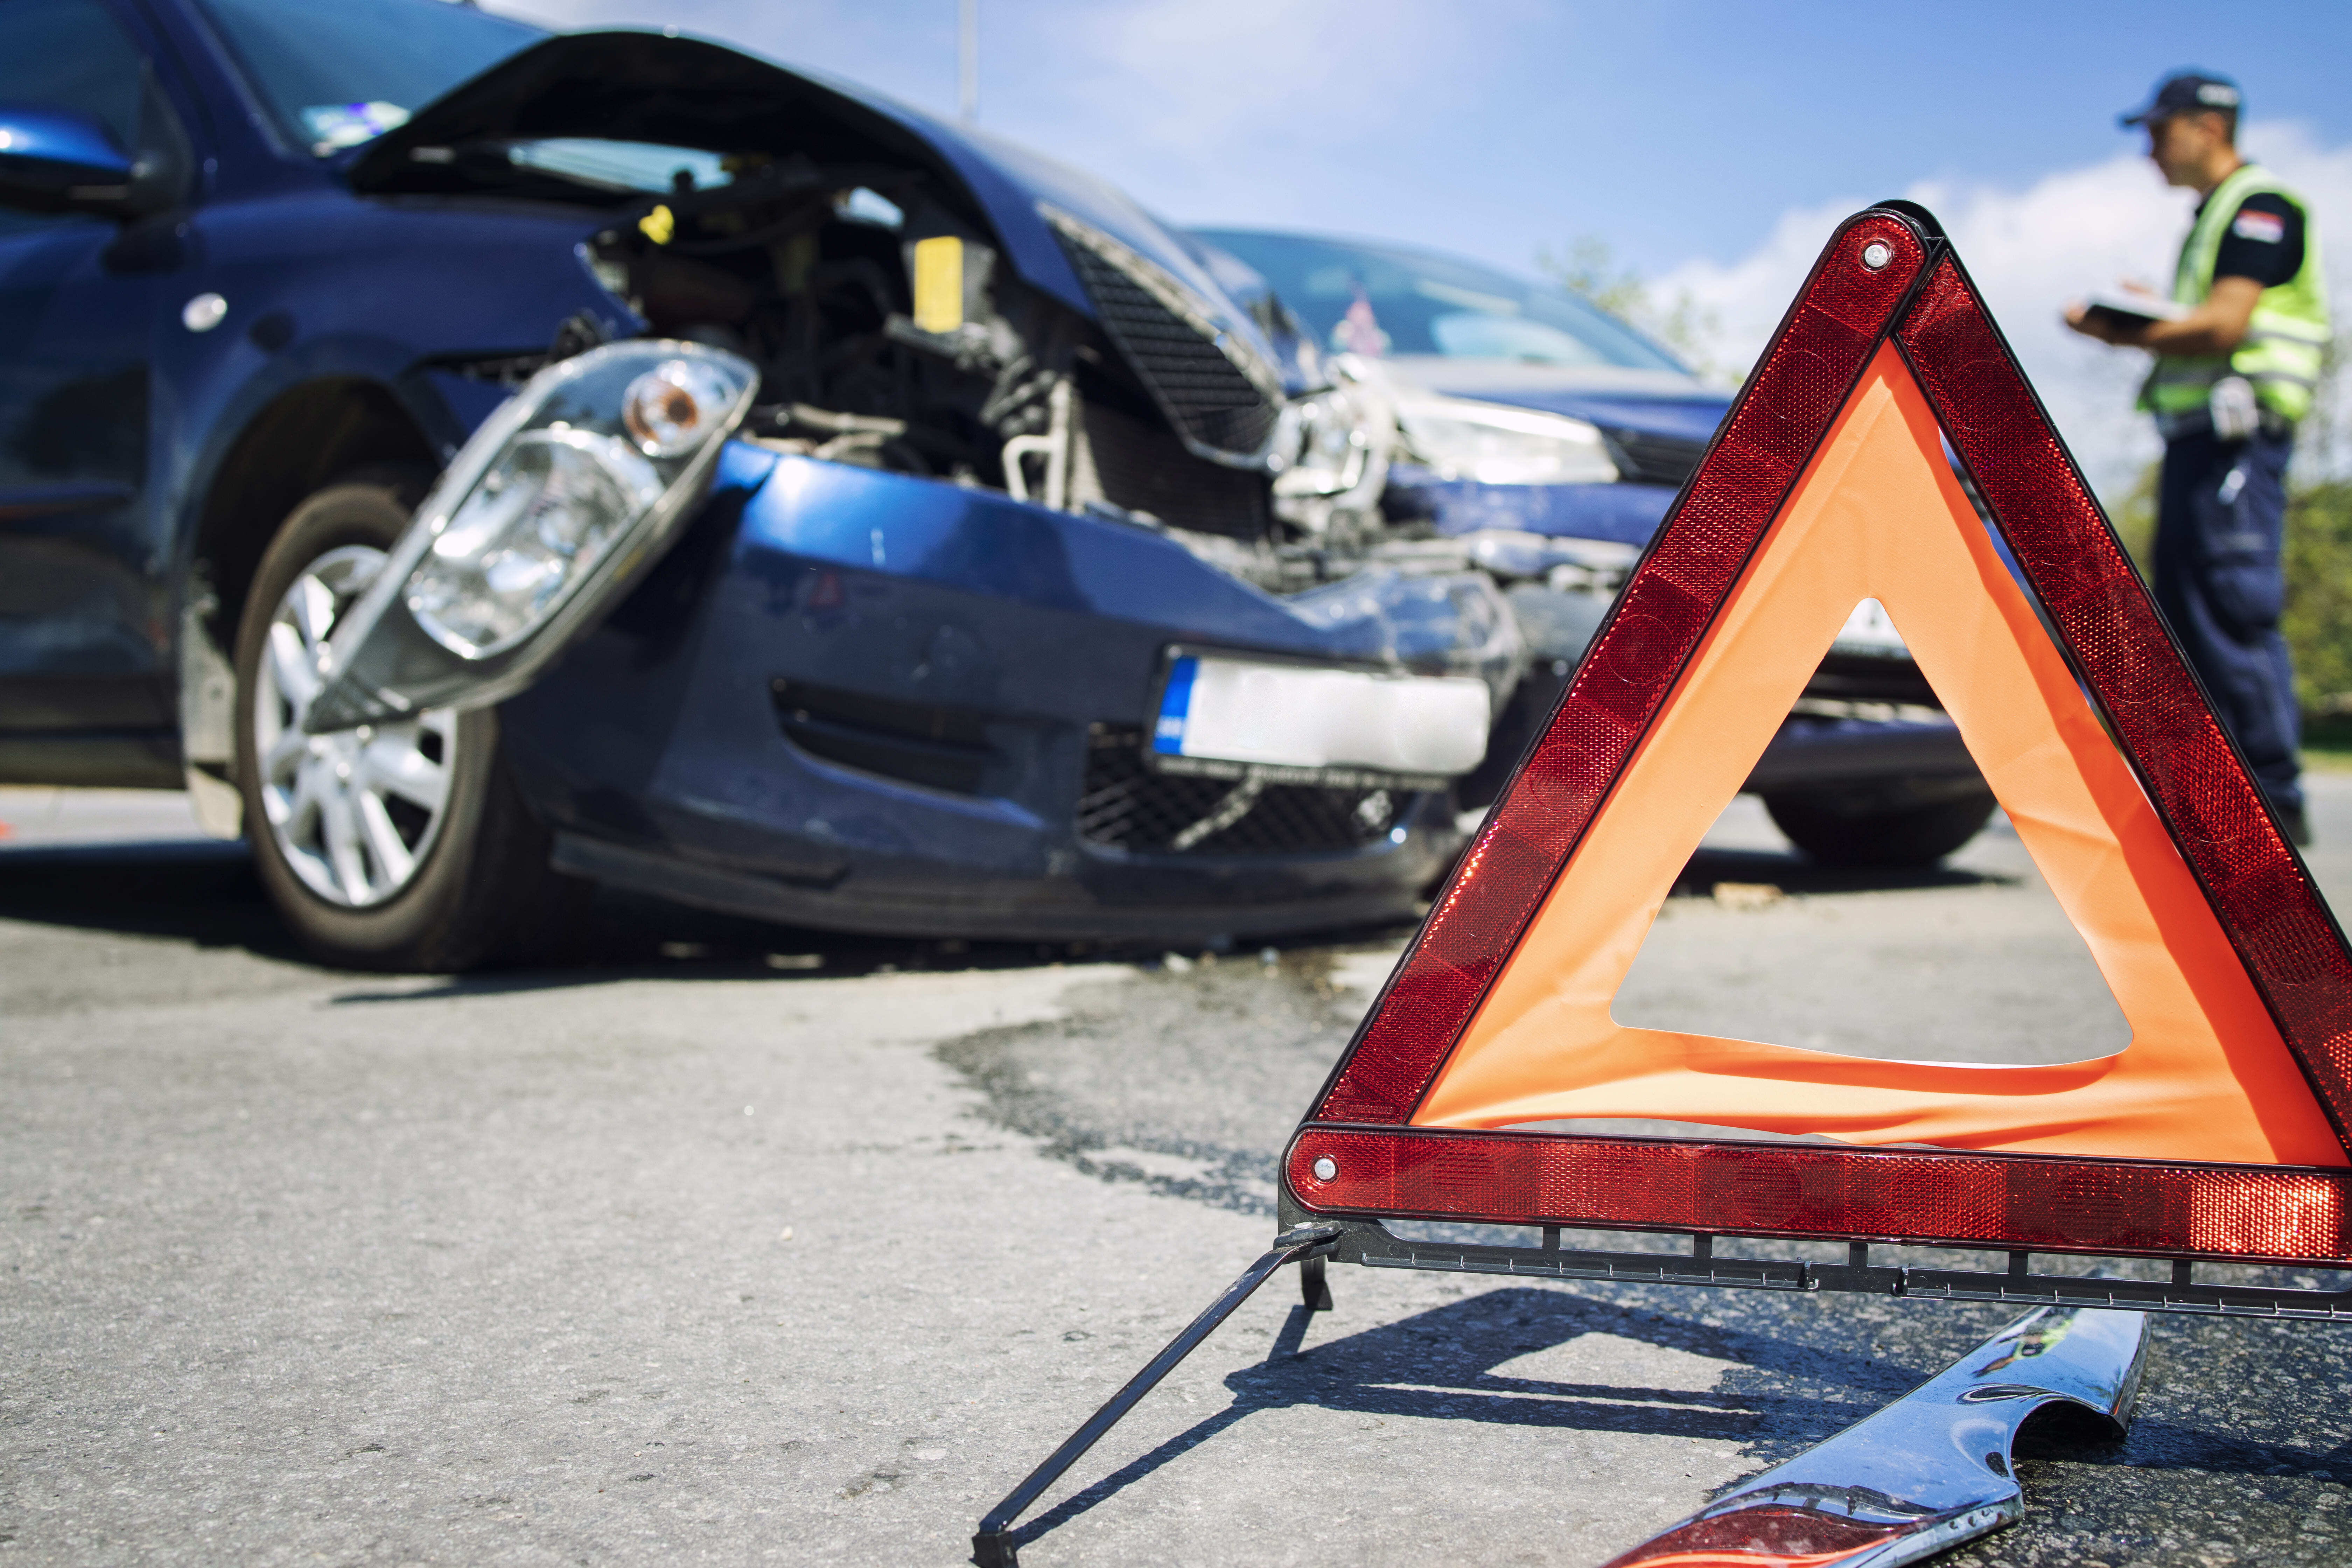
54 161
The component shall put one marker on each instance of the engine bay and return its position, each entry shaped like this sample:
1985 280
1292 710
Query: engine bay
889 335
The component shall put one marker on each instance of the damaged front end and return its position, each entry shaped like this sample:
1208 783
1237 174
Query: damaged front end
976 471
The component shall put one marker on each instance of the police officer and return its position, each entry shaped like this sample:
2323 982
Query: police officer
2233 372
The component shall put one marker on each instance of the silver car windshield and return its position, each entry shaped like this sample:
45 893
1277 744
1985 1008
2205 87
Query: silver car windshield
1390 299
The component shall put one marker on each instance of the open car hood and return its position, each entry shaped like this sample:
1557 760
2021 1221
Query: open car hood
628 86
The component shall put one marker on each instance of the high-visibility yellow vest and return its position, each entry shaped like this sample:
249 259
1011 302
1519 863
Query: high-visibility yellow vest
2285 341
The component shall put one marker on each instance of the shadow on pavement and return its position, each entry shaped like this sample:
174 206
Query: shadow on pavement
206 893
197 890
1441 1365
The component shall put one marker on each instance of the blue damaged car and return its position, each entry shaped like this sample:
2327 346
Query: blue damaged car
1547 438
478 464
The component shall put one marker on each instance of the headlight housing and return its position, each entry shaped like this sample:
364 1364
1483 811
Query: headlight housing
1331 450
1494 445
563 495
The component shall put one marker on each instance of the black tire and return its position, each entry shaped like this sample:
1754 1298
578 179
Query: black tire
1872 831
482 892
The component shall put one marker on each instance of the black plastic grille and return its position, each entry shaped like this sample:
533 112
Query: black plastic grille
1653 459
1865 678
1142 467
1204 392
1125 805
943 748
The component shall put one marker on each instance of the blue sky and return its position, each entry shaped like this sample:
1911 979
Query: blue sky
1712 144
1673 130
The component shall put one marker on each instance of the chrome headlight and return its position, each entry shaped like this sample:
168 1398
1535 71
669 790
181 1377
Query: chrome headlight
1494 445
1330 451
547 511
562 497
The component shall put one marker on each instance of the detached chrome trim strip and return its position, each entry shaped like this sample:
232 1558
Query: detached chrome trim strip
1933 1469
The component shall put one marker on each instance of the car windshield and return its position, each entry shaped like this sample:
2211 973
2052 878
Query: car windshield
341 74
1378 300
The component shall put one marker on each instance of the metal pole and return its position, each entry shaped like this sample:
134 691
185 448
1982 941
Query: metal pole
968 60
992 1547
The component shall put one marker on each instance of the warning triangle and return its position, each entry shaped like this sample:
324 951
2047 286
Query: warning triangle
2219 1131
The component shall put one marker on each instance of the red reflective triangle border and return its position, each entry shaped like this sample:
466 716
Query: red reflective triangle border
1922 298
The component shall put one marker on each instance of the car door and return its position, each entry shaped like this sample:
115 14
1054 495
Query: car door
85 642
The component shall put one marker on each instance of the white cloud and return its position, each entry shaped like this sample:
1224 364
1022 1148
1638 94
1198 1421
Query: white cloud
2032 250
1215 78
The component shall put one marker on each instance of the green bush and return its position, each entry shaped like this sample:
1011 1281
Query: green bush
2318 621
2135 520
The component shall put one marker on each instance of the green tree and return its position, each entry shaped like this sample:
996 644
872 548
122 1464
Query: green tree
2318 620
2318 568
1590 267
2135 520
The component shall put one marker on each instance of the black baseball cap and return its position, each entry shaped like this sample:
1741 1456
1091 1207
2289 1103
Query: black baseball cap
2187 92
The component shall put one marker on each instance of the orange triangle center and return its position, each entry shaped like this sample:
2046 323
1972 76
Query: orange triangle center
1878 514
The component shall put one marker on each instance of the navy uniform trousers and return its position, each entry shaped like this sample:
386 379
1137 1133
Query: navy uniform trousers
2221 524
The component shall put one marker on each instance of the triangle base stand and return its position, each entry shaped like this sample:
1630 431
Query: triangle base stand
1313 1243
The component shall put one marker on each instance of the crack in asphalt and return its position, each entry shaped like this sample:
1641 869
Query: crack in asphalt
1048 1081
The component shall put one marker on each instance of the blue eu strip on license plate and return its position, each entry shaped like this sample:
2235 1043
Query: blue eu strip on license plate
1175 707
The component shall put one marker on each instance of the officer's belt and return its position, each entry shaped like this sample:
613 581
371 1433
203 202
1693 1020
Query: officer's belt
2200 422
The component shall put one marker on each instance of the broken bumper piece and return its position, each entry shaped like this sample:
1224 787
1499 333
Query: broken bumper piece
1930 1470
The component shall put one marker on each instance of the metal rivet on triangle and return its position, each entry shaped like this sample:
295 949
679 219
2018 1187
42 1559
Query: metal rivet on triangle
1877 254
1326 1168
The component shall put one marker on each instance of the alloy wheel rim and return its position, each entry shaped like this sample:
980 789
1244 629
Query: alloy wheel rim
355 813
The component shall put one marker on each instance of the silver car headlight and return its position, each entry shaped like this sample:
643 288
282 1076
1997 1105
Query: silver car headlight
545 513
563 495
1494 445
1331 450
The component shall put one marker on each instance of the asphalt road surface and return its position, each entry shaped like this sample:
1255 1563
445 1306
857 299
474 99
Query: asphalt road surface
721 1243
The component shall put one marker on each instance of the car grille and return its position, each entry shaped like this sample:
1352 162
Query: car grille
942 748
1653 459
1140 465
1199 378
1125 805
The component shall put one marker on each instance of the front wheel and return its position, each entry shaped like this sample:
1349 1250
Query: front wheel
398 847
1875 831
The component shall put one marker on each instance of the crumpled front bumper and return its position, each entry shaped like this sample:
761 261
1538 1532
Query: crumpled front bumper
864 701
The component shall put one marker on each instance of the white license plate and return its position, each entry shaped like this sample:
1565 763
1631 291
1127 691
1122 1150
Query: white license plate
1299 716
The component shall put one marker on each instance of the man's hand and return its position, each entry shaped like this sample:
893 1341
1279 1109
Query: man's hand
2216 327
2105 326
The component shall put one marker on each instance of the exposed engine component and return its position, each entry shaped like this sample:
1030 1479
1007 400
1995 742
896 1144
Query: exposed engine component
889 335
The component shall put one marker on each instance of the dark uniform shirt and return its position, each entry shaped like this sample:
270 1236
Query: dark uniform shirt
2264 242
